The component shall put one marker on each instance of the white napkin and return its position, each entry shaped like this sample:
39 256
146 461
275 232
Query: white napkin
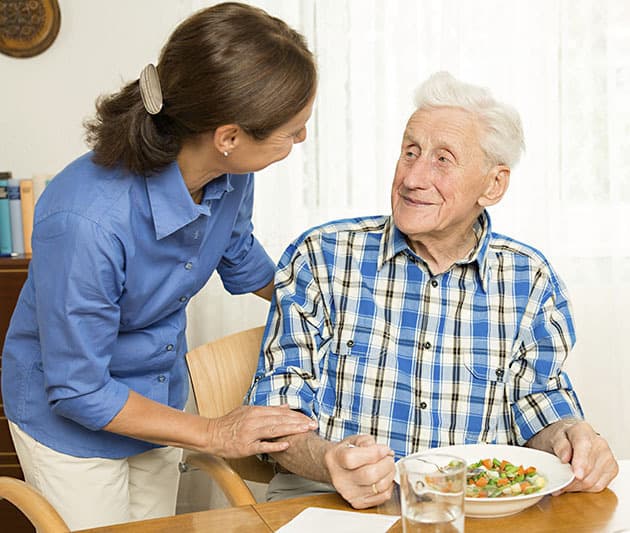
316 520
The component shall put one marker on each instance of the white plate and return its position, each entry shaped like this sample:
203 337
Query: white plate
557 474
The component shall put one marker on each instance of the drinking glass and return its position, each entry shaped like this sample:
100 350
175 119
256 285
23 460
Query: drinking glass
432 488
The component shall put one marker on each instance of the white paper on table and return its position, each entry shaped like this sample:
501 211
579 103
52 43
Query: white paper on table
316 520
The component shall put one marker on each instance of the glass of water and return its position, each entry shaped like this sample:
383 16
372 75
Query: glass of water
432 488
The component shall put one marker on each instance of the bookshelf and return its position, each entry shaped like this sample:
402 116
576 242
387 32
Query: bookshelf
17 207
13 271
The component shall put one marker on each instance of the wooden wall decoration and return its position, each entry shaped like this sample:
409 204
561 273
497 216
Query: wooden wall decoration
28 27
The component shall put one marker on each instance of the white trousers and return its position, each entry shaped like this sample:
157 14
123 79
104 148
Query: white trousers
93 492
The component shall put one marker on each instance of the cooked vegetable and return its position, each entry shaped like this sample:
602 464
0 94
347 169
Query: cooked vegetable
491 478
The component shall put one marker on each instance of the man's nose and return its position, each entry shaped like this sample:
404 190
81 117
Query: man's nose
419 175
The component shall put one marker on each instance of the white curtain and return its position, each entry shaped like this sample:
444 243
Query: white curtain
564 64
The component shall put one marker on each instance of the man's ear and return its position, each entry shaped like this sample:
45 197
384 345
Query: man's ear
499 179
226 137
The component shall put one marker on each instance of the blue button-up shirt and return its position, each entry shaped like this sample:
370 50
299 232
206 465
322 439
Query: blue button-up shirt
116 258
364 338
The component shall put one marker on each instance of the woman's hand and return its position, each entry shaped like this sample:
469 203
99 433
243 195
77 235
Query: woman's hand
242 432
251 430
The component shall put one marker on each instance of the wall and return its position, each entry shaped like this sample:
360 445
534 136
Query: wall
44 99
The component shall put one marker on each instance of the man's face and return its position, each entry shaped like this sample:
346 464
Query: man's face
440 176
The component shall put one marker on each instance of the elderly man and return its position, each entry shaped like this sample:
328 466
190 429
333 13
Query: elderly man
424 328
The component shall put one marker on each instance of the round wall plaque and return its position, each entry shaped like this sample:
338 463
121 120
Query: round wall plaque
28 27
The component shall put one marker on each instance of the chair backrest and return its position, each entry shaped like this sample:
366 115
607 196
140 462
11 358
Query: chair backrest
221 372
33 505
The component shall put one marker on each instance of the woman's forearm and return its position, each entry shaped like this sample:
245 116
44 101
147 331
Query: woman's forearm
242 432
145 419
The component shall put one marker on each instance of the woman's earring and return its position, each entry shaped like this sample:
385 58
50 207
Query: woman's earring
226 153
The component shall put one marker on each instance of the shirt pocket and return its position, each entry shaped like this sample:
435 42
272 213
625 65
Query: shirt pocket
361 342
488 373
360 369
488 362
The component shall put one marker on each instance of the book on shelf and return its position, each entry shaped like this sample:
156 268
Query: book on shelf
28 210
15 213
6 246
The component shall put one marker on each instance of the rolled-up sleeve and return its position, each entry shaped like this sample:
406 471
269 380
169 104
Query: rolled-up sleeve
79 277
295 341
245 265
541 391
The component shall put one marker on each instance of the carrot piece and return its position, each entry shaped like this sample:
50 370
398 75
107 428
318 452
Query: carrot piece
503 465
524 485
481 482
502 481
487 463
530 470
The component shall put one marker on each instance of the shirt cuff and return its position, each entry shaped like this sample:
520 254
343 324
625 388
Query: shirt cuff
535 412
262 393
96 409
253 272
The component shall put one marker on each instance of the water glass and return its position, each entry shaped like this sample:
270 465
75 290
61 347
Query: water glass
432 488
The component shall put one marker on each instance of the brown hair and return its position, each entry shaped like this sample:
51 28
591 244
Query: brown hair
228 64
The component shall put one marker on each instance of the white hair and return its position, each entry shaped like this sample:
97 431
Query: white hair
502 139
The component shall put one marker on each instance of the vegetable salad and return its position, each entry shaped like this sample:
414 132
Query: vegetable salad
491 478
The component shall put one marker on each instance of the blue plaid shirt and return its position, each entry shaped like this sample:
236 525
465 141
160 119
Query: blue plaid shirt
362 337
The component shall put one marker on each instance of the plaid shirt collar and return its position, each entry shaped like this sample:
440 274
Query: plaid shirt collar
394 242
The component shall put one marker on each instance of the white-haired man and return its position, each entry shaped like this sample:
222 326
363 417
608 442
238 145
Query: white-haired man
424 328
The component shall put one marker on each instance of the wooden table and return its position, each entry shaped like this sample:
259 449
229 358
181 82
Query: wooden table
607 511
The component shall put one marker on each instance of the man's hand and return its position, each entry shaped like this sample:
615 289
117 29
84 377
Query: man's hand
253 430
575 442
361 470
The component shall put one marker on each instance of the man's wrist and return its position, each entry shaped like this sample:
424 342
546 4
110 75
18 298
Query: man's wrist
568 422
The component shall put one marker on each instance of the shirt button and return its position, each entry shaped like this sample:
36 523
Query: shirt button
188 266
350 343
423 405
427 345
499 372
161 379
434 283
169 347
183 299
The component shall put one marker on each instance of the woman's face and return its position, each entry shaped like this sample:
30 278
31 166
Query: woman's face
251 155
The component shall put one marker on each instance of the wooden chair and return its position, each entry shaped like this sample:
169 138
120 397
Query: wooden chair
33 505
221 372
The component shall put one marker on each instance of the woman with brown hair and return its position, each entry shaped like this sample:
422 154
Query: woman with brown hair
94 375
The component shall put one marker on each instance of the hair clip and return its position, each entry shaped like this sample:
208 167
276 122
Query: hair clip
150 89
